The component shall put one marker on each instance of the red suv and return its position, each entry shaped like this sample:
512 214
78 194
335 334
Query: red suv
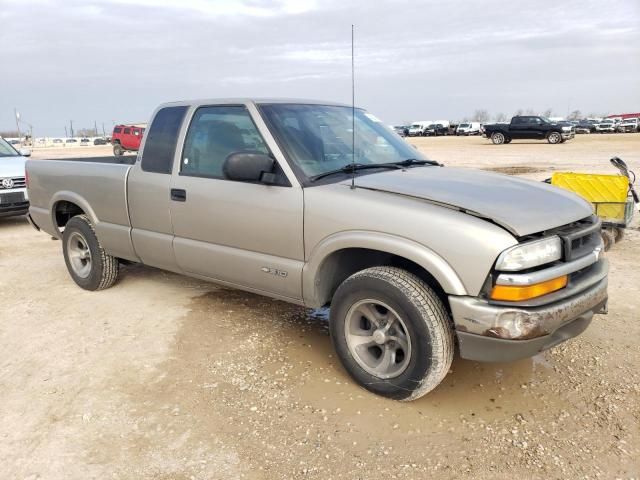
126 138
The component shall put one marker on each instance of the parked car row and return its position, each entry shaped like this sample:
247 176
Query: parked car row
429 128
607 125
588 125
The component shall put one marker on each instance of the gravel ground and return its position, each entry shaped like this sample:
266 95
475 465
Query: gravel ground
166 377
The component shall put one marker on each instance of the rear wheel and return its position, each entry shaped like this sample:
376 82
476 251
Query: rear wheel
618 234
88 264
118 150
391 332
498 138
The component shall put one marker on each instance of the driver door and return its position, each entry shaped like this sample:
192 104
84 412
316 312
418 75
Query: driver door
248 235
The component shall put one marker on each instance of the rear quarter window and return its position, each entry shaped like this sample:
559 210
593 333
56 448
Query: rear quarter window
117 130
162 138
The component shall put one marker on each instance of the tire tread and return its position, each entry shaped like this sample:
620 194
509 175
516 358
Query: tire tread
430 306
110 265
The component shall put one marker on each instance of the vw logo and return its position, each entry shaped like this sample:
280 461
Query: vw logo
7 183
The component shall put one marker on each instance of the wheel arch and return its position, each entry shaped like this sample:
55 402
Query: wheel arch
342 254
65 205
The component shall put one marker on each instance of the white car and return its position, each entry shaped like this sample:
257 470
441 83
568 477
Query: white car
629 125
417 129
13 191
606 126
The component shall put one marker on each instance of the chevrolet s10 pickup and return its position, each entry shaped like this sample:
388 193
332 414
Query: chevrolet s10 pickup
320 204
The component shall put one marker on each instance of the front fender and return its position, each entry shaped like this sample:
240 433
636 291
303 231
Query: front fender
391 244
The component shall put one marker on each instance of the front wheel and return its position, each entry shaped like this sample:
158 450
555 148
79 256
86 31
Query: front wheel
88 264
391 332
554 137
497 138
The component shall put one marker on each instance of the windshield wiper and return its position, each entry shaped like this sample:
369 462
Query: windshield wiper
354 167
414 161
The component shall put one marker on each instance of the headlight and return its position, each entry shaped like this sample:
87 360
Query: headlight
566 129
530 254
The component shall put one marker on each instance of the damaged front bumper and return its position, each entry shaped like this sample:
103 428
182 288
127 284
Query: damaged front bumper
498 333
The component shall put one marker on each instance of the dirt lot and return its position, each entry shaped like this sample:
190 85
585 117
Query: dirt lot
166 377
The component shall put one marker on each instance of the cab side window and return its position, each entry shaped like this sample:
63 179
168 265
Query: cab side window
215 133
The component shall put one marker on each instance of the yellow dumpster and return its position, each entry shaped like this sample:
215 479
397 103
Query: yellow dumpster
609 194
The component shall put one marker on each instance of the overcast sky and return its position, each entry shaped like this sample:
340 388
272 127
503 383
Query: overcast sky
115 60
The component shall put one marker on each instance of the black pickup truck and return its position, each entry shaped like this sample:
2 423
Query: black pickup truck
529 128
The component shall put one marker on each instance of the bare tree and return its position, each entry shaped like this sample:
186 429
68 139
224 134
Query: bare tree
547 113
530 111
575 115
518 112
481 116
500 117
10 134
86 132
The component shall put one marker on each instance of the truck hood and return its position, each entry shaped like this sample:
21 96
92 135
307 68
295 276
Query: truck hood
520 206
12 166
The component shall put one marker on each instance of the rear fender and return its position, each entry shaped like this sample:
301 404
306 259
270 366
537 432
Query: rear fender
74 198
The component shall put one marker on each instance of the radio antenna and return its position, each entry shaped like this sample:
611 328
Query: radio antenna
353 116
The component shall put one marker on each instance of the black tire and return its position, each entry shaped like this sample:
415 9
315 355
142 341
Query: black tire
424 316
618 234
498 138
608 238
103 268
554 138
507 140
118 151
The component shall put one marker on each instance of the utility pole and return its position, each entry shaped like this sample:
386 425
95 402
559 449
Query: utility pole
15 111
71 127
66 134
103 132
95 128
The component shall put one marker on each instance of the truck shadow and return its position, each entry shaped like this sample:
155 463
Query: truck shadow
13 221
275 335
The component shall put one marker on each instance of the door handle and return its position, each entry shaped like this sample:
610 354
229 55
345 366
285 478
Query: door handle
178 195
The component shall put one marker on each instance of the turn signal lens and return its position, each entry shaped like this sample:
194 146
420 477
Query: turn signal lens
513 293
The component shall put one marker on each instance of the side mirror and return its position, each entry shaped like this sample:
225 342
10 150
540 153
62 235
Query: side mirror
249 167
25 152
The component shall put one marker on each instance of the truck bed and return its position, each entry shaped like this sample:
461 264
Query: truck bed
98 185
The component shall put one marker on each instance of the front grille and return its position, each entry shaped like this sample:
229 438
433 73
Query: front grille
580 238
12 198
18 182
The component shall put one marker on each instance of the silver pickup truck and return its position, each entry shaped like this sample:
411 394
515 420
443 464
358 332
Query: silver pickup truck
320 204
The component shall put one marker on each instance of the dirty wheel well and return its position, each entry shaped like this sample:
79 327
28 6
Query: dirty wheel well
344 263
65 211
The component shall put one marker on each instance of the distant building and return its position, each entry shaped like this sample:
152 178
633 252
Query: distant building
624 116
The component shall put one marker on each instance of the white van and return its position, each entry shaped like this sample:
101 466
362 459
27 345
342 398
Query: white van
469 128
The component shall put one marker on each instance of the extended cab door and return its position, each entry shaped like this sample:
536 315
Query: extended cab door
519 127
245 234
148 190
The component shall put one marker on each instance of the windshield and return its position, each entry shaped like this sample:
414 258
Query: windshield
318 138
416 125
7 150
464 125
